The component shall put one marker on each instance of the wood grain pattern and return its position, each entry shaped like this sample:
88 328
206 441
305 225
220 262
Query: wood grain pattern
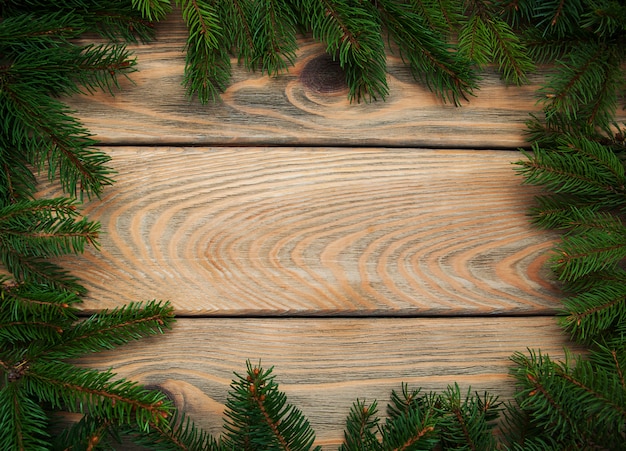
259 110
318 231
324 365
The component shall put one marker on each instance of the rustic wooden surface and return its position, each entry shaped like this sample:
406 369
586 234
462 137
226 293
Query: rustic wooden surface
318 231
353 247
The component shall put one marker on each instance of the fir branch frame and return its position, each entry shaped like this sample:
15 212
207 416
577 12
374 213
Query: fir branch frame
555 114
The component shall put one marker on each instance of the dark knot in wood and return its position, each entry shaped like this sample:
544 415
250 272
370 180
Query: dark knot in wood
324 75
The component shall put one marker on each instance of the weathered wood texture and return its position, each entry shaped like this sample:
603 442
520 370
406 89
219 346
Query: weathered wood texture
318 231
256 109
403 226
324 365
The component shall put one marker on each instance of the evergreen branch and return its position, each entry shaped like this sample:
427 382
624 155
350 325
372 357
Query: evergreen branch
34 312
30 31
89 433
610 356
109 329
153 10
275 41
546 50
68 387
486 37
596 311
360 425
403 403
595 391
586 218
25 331
601 109
431 59
520 433
610 276
178 434
557 17
22 421
578 166
411 425
352 33
581 406
41 271
111 19
538 394
557 212
605 18
579 255
125 25
442 16
207 65
45 228
258 416
38 299
44 131
238 29
17 181
580 80
467 423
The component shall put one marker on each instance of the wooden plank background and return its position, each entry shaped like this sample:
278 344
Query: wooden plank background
352 246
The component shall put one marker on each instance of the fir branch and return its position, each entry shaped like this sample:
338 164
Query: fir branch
557 17
275 37
17 181
89 433
109 329
579 255
42 129
153 10
580 80
41 270
413 423
359 432
178 434
538 394
487 38
467 421
38 300
22 421
597 394
15 331
596 312
207 65
431 58
125 24
442 16
580 405
352 34
610 355
238 30
30 312
558 212
258 416
69 387
577 166
30 31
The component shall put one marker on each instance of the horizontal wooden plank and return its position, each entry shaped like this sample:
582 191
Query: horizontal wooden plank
324 365
318 231
306 106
